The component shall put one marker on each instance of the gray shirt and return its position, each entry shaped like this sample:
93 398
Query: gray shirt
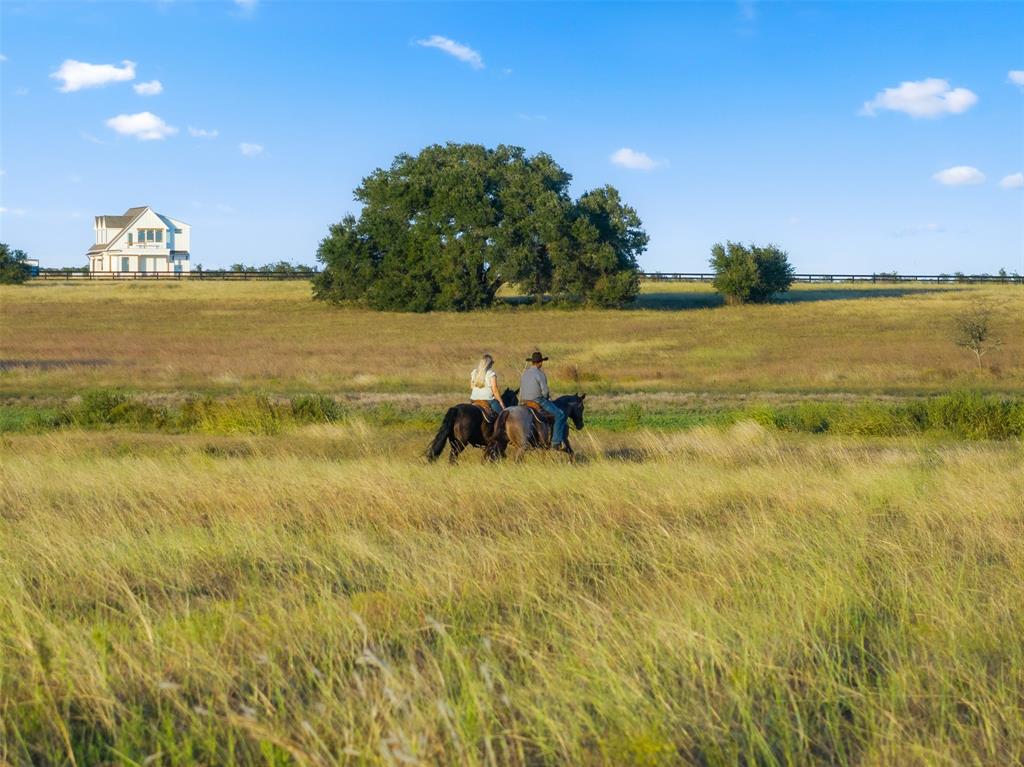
534 384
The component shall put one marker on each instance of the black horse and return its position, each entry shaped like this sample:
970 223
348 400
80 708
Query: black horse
464 425
523 428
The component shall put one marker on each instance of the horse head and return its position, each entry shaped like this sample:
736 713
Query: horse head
510 397
574 407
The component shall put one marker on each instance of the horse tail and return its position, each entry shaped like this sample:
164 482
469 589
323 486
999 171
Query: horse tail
493 447
443 434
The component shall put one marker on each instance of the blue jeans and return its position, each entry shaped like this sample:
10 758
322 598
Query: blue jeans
561 425
495 405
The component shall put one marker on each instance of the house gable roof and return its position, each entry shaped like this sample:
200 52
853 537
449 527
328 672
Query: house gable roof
125 222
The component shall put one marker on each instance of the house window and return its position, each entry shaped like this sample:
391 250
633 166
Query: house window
129 238
142 235
150 235
177 231
159 235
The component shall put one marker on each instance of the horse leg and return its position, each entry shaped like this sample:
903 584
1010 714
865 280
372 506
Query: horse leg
457 447
569 451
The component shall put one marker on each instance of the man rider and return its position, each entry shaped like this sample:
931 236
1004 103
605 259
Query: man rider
534 386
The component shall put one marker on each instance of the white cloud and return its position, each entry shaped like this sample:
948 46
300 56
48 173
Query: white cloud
76 75
532 118
1013 181
632 159
747 9
1016 76
922 98
152 88
203 132
246 5
2 58
145 126
21 91
452 48
19 212
250 150
960 175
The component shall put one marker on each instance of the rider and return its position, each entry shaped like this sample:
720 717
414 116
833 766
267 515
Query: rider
484 384
534 386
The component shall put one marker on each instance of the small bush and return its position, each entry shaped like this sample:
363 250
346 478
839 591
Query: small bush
750 274
315 408
97 406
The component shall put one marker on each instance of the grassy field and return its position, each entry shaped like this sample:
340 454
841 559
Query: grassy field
708 597
793 537
226 337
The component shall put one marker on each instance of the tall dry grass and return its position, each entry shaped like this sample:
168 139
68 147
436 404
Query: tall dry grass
706 597
222 337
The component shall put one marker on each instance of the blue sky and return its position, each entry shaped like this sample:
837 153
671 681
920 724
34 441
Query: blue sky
859 137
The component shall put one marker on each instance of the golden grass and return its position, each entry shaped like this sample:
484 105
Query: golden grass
705 598
223 337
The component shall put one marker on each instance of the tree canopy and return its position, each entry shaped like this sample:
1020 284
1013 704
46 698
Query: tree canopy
750 274
14 268
445 229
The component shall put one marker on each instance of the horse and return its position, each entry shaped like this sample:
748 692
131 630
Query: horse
522 429
464 425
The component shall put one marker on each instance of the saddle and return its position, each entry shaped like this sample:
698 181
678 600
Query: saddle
539 413
485 409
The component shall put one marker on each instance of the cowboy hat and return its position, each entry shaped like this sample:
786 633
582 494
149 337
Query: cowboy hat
536 357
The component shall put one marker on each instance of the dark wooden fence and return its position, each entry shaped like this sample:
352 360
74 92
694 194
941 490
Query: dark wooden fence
60 274
876 278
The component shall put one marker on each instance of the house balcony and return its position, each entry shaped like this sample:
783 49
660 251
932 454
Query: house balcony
149 248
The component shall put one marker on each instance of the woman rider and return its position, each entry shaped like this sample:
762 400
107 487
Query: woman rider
484 384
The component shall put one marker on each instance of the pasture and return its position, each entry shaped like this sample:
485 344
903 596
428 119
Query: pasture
230 583
227 337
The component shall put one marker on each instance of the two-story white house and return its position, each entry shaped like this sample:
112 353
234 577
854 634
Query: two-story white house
141 240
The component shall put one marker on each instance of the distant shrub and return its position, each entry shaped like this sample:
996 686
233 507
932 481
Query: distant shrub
972 329
315 408
633 415
750 274
14 268
97 406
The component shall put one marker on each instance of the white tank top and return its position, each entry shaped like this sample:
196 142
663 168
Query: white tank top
481 392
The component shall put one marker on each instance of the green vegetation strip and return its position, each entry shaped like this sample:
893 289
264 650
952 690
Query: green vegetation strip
965 415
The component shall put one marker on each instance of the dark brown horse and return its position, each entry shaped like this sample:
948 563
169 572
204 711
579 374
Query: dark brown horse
464 425
520 428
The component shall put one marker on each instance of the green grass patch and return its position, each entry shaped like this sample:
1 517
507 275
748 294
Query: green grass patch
962 415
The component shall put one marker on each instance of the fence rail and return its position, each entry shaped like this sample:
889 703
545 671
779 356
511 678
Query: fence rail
60 274
876 278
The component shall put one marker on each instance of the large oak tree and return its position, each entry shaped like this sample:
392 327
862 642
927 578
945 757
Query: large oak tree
445 229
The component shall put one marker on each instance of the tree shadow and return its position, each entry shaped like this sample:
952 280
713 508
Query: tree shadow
681 300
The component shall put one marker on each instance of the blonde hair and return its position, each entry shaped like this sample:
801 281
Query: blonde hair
480 374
